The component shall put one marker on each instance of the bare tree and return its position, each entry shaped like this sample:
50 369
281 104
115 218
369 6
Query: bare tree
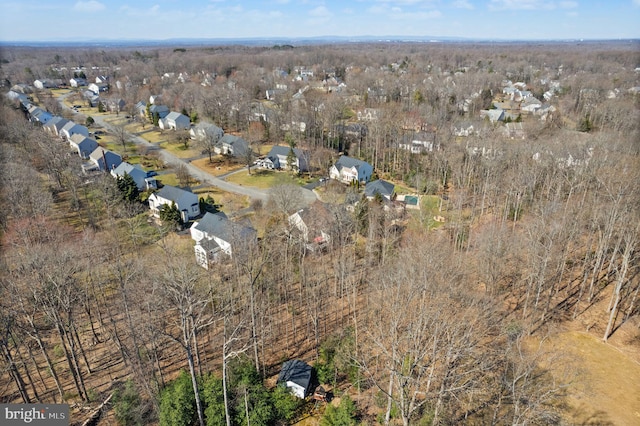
186 297
286 198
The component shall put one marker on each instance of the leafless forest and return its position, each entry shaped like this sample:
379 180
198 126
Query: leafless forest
418 322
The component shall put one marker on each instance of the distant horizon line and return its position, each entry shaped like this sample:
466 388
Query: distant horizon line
70 41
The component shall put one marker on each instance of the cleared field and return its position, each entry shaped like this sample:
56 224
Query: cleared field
264 179
606 390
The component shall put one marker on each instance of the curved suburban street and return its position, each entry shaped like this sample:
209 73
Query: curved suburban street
202 176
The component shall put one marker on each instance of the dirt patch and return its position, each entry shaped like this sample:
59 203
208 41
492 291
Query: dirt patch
219 166
606 390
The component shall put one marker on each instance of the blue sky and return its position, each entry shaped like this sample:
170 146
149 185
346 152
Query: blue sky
63 20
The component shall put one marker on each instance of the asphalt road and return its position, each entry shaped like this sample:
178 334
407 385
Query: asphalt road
200 175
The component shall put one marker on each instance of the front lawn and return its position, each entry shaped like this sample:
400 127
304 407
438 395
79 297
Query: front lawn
219 166
263 179
178 149
227 202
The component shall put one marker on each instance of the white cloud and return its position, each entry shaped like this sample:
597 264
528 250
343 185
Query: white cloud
153 10
532 4
570 4
636 3
462 4
405 2
89 6
320 12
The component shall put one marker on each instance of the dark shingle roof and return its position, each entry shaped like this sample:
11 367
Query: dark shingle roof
379 186
296 371
284 151
217 224
172 193
349 162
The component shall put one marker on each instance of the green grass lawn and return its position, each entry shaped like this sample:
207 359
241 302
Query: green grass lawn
179 149
264 178
227 202
153 135
168 179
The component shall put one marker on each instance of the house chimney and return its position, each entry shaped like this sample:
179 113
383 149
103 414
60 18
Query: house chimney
104 161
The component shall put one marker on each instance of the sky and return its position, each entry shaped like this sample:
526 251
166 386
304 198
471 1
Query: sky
77 20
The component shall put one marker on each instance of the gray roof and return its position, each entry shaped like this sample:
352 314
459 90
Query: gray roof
379 186
296 371
218 225
83 142
349 162
137 174
208 129
173 115
57 122
112 158
172 193
284 151
239 145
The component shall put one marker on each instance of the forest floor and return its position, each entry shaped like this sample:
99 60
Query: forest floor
606 387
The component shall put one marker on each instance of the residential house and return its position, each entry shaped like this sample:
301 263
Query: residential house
103 160
22 88
530 104
139 176
349 169
55 125
155 99
186 201
279 158
92 98
16 97
102 79
464 130
44 84
175 121
418 143
215 235
71 128
493 115
98 88
379 187
160 110
205 130
115 104
296 376
78 82
313 225
355 131
368 114
141 109
38 115
545 112
273 94
231 145
83 145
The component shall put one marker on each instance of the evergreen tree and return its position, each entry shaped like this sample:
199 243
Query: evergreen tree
170 215
128 188
127 405
177 402
214 401
342 415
